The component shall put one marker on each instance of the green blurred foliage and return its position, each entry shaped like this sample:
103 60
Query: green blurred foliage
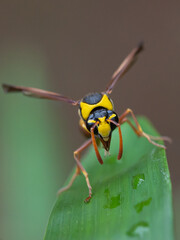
31 149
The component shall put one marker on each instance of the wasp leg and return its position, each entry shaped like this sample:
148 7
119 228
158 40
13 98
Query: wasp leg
138 130
63 189
78 169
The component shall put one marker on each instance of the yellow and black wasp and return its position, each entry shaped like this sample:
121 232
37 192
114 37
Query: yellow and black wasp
97 117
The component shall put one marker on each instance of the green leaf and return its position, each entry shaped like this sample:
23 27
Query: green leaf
132 198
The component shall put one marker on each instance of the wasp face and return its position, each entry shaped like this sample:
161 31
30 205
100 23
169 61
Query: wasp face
104 127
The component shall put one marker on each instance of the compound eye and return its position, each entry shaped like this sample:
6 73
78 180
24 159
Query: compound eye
113 116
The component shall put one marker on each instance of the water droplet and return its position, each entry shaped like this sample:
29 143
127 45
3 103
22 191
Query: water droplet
138 230
138 180
112 201
139 206
165 175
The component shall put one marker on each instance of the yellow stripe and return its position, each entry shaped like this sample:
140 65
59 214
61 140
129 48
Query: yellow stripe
113 115
91 121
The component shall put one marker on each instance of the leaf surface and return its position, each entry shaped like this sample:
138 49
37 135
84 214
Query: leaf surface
132 197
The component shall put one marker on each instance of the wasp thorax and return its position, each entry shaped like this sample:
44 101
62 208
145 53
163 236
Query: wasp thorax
101 117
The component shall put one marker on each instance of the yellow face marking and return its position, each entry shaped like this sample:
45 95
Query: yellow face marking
104 128
102 119
87 108
113 115
91 121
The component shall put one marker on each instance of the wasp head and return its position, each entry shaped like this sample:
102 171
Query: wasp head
99 119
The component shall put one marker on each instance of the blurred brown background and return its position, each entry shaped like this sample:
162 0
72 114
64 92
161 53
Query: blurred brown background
80 44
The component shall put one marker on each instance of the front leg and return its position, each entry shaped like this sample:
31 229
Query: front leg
138 130
78 169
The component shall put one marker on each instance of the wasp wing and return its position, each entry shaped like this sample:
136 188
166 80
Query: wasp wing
124 67
38 93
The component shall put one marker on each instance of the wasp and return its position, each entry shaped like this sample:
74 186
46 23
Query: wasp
97 117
